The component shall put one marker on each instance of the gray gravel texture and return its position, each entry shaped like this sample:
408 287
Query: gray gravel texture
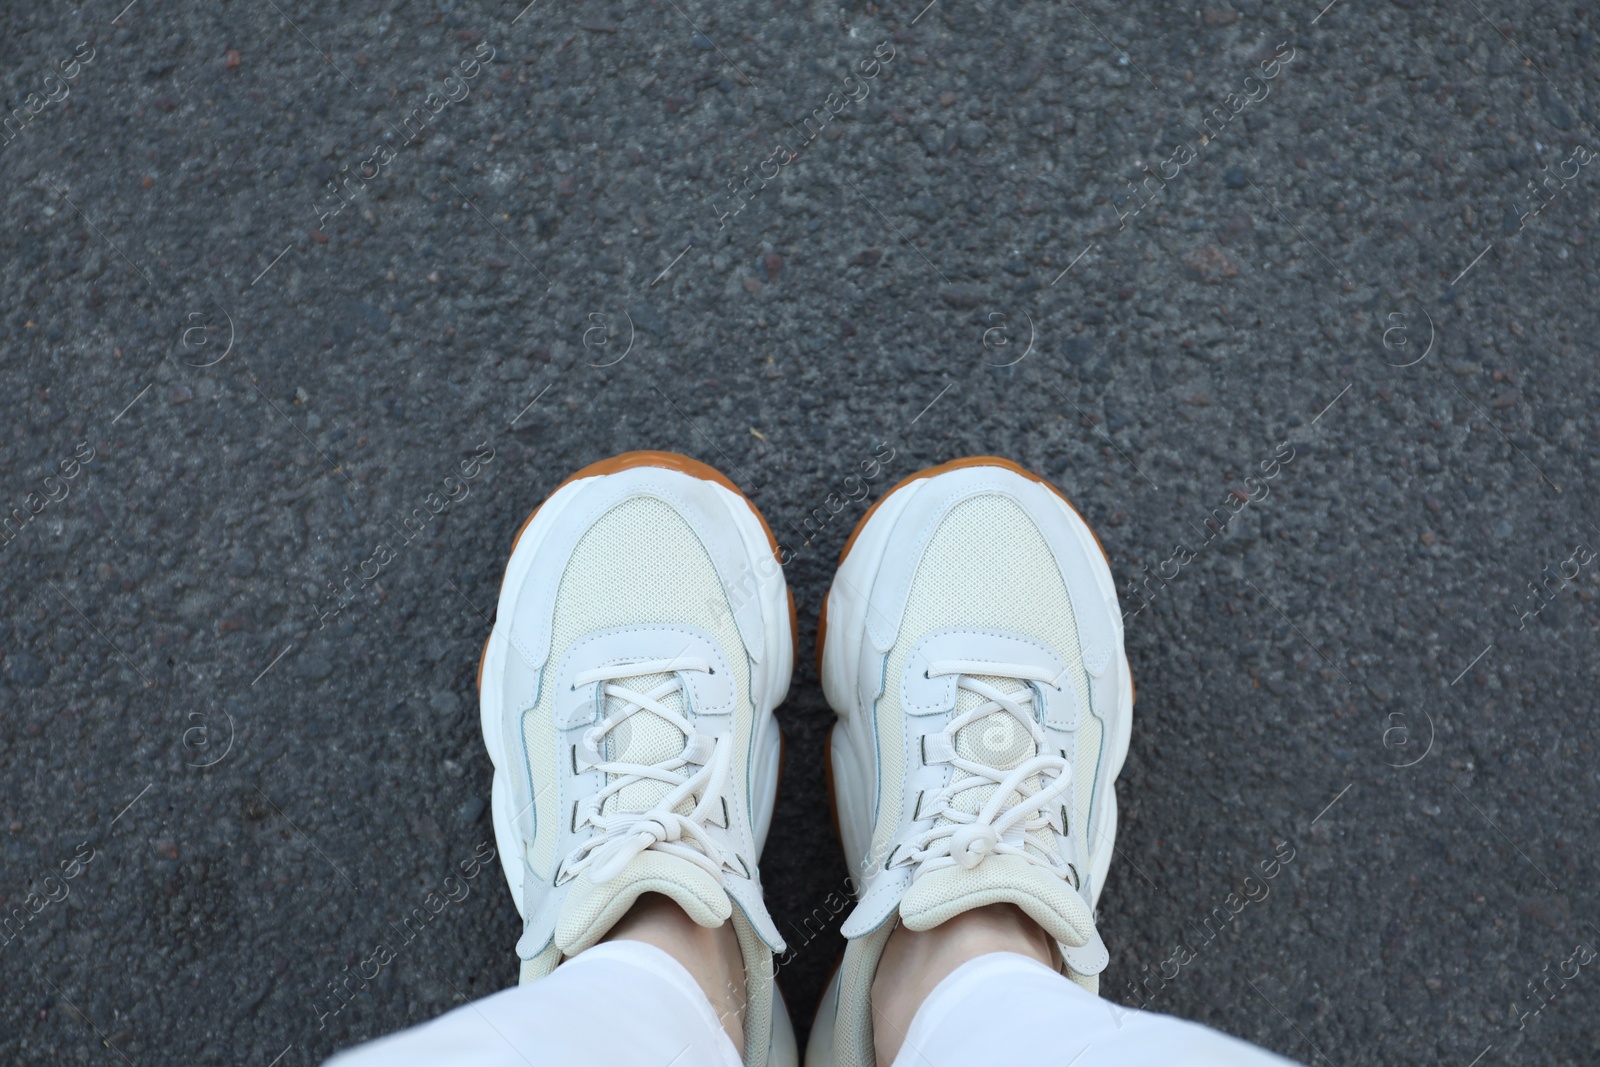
1041 230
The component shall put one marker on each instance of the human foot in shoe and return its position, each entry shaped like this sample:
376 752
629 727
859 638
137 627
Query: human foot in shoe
643 638
972 649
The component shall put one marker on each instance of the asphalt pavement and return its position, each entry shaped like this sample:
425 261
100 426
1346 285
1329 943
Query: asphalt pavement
1298 304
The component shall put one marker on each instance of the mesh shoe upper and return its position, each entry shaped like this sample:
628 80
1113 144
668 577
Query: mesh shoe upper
640 563
987 567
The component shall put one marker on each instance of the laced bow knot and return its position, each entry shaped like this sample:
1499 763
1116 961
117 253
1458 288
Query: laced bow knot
969 844
698 773
613 854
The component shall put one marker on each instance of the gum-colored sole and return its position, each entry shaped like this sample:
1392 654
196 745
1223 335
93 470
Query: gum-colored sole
670 461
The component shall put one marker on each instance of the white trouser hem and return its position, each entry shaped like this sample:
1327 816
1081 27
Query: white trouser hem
1004 1008
618 1004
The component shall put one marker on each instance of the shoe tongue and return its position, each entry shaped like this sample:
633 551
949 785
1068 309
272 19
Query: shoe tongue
942 894
591 910
995 740
644 737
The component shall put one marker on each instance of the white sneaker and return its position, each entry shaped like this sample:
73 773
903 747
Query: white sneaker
644 637
972 647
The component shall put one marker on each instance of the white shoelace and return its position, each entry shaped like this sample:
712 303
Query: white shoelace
622 835
970 836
